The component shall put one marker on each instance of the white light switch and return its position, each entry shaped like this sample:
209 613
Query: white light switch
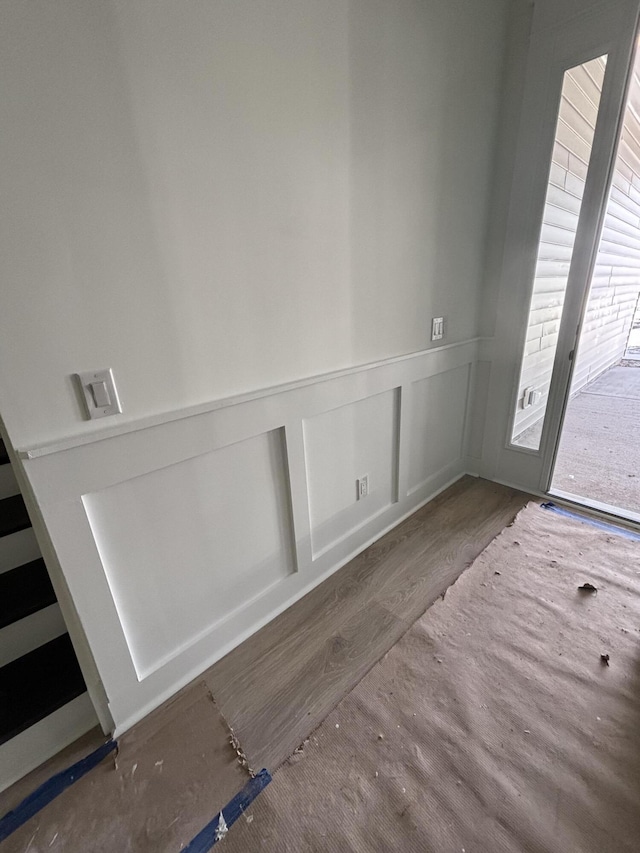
437 328
100 394
99 391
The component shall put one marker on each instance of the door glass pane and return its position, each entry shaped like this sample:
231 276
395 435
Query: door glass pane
598 459
581 90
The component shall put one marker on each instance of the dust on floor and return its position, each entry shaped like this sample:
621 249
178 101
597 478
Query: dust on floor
171 774
493 725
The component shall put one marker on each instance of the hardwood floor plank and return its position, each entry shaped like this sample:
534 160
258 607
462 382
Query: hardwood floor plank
270 733
419 578
311 620
277 686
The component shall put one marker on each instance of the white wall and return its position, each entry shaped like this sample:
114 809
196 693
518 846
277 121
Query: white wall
424 104
552 13
220 197
214 198
343 445
518 36
170 547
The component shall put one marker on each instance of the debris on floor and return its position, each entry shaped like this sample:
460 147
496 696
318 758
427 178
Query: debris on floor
242 758
174 770
588 587
222 828
604 659
481 637
298 752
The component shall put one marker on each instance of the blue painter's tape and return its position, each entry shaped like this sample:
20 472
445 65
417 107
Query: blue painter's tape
49 790
208 836
594 522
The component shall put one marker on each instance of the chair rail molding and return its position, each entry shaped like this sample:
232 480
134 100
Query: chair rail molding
177 536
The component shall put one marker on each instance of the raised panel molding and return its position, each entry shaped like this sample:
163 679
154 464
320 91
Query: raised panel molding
186 546
341 446
438 421
178 537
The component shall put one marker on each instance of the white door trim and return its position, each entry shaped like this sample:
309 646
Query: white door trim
610 29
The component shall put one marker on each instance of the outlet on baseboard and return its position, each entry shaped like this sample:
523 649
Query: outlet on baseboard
362 487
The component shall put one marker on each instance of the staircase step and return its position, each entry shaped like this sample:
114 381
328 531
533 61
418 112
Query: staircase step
40 742
4 456
8 482
13 515
37 684
28 634
23 591
18 549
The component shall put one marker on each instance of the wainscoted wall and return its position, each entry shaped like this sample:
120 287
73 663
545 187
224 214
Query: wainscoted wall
207 549
180 535
342 445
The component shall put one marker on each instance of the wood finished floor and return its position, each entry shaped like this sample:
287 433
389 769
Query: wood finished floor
277 687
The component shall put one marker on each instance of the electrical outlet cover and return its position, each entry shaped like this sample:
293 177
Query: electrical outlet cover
363 487
100 394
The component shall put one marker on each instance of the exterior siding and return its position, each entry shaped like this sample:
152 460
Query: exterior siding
616 281
574 136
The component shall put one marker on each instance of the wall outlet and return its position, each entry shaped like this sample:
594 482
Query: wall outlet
530 397
437 328
362 487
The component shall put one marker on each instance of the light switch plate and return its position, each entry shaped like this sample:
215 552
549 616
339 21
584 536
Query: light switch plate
437 328
99 392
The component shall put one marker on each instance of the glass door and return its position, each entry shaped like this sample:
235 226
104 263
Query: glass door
598 458
574 97
572 146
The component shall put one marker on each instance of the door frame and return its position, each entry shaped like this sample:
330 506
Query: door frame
610 29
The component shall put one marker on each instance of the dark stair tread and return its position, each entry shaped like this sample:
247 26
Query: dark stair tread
37 684
4 456
13 515
24 591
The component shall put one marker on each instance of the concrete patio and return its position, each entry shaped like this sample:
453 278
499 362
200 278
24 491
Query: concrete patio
599 453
